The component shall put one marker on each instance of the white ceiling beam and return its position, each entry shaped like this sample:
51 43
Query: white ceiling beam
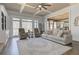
22 7
36 13
29 6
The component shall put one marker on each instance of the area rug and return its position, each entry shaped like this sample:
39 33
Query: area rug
40 46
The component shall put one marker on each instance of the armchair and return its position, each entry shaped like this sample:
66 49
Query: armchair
37 32
22 33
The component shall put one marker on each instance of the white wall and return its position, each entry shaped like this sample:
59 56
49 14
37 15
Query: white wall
4 34
74 29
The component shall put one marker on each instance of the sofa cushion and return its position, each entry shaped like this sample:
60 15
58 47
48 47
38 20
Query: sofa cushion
50 32
55 32
56 38
67 32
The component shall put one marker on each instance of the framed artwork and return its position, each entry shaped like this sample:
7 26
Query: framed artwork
76 22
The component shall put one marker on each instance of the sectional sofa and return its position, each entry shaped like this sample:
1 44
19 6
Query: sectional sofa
63 36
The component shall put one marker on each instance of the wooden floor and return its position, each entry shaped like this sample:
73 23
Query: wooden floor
12 49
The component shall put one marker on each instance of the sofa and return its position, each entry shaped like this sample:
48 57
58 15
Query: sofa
62 36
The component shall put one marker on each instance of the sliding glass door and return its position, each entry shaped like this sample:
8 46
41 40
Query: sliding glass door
27 24
21 23
35 23
16 25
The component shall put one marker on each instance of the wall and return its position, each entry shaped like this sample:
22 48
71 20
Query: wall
4 34
74 29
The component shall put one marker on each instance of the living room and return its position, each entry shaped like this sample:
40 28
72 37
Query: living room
39 28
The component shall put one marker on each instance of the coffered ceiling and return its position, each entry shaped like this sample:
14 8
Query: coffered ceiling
17 7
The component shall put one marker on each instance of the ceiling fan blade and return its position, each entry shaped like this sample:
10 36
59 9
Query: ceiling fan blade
44 7
22 7
45 4
36 6
29 6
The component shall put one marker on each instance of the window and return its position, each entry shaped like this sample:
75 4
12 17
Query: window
35 23
27 24
26 20
16 19
49 25
55 26
16 25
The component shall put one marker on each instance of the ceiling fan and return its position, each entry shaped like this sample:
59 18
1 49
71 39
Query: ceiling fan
40 7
